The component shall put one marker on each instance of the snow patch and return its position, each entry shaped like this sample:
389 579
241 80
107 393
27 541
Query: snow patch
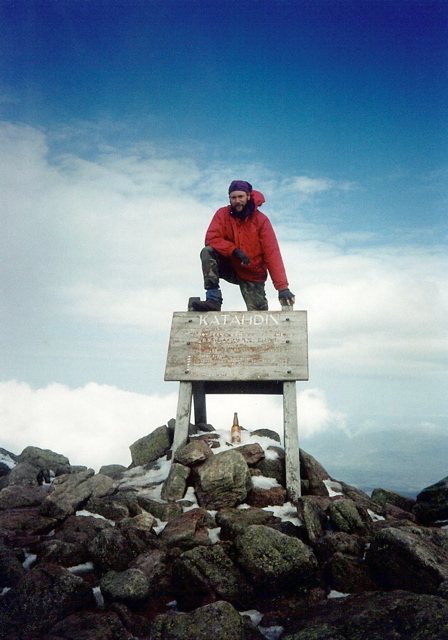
287 512
262 482
7 460
334 488
337 594
81 568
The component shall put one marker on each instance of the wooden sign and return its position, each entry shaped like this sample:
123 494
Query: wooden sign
238 345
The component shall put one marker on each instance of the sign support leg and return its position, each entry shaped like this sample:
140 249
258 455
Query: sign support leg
291 433
200 408
183 415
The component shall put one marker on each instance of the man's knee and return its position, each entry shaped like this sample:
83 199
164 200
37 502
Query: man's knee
208 252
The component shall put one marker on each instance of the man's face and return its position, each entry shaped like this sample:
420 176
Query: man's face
238 200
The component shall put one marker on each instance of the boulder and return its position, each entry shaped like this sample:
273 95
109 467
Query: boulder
234 522
195 452
164 511
112 550
432 502
348 574
175 485
252 453
47 461
206 574
41 598
275 496
188 530
266 433
314 474
222 481
23 474
11 569
114 471
311 510
81 529
347 516
151 447
94 625
219 620
130 586
398 615
66 554
70 492
157 567
273 465
409 558
276 563
385 496
16 496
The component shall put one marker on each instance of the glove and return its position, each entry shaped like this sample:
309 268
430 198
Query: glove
286 297
238 253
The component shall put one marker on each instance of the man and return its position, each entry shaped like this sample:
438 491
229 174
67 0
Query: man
242 248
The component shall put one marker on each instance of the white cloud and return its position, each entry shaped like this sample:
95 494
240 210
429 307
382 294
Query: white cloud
95 424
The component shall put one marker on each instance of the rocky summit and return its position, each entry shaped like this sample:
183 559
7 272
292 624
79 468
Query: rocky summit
205 544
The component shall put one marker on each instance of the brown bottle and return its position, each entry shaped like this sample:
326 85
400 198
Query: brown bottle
235 432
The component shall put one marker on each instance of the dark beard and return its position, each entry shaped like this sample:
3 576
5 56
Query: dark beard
245 212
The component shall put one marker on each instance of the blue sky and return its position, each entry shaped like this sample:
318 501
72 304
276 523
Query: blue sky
122 124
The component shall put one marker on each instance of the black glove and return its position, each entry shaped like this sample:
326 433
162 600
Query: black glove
238 253
286 297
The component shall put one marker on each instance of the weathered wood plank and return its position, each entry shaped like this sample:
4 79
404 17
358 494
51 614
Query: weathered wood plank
240 345
182 415
291 434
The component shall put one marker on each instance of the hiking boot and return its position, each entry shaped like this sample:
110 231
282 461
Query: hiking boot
205 305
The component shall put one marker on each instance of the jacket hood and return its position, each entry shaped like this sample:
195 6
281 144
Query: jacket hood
258 198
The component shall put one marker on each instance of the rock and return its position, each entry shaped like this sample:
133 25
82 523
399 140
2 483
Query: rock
196 451
339 542
66 554
348 574
234 522
115 507
206 574
361 499
20 496
11 569
347 516
266 433
41 598
222 481
252 453
275 496
314 473
164 511
273 465
175 485
212 439
219 620
72 491
81 529
188 530
47 461
409 558
25 522
157 567
432 502
398 615
276 563
311 510
112 550
114 471
129 586
24 473
385 496
94 625
151 447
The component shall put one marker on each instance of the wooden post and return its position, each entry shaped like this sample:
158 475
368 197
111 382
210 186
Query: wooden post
291 433
200 409
182 415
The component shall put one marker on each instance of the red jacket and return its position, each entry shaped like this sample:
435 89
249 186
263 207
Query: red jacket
255 236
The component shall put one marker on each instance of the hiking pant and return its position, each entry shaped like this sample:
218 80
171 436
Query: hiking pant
215 266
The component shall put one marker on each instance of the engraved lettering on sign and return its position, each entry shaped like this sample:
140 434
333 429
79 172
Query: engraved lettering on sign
228 319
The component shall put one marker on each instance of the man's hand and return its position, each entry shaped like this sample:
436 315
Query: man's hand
238 253
286 297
